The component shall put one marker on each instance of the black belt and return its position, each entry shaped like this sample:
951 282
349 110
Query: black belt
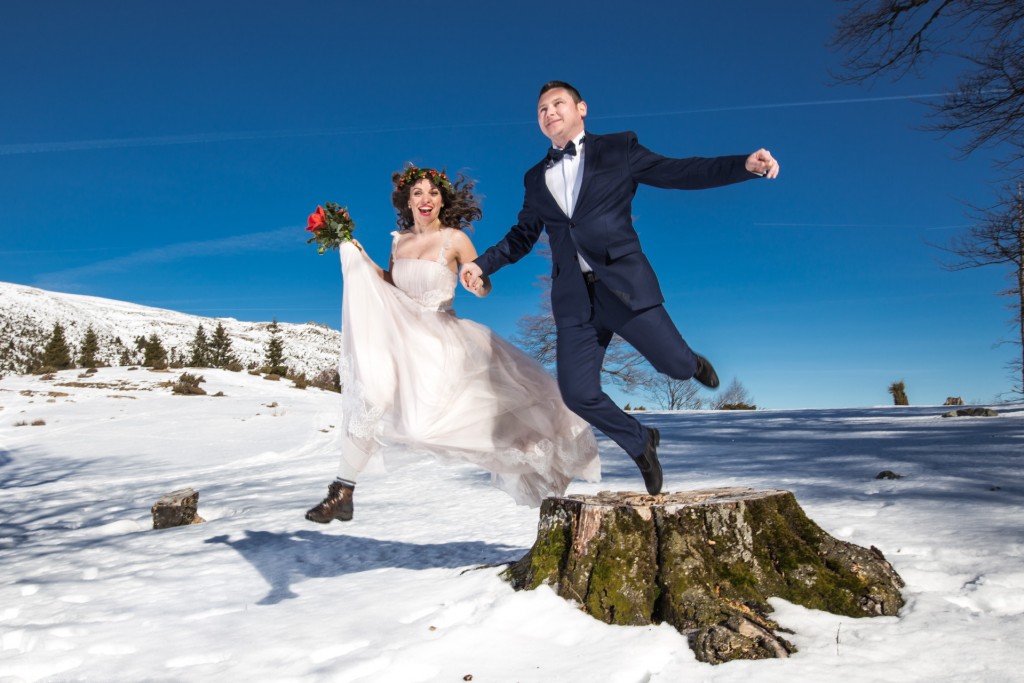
590 277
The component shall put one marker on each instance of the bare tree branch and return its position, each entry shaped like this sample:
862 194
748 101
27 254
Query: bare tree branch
733 397
997 239
674 394
537 335
894 37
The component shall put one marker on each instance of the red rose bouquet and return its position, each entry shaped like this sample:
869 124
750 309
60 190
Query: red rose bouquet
330 227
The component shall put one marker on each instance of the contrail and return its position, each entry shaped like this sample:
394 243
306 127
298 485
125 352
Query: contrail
862 225
207 138
204 138
257 241
780 105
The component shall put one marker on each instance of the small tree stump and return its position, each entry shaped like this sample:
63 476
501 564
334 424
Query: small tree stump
177 508
704 561
971 412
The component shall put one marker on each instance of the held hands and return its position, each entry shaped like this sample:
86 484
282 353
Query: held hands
763 164
474 280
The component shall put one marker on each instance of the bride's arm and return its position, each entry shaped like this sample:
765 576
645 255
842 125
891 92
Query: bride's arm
384 274
466 252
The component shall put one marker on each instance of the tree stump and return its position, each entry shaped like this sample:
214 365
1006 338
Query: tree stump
971 412
177 508
704 561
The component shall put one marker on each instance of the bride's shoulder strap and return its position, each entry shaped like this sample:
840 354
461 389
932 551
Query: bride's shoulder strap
395 234
446 241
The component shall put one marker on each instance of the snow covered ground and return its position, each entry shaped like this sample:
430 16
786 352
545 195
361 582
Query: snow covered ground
89 592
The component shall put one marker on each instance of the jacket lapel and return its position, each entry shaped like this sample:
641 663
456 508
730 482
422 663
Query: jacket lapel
591 154
540 188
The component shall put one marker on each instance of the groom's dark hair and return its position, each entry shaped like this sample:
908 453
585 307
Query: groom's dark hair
551 85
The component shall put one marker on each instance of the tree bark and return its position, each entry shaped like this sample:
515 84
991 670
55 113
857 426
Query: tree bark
704 561
177 508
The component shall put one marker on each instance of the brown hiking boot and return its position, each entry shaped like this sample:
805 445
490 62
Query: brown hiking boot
337 505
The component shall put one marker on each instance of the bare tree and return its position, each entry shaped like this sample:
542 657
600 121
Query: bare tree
996 239
733 397
674 394
894 37
537 335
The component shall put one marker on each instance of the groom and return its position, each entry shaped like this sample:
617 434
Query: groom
601 281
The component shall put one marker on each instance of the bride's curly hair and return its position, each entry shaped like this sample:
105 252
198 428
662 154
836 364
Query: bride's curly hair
461 207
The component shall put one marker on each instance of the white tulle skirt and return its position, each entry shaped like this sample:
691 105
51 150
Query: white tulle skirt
419 379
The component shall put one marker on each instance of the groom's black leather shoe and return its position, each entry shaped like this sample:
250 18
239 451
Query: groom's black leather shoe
705 373
648 463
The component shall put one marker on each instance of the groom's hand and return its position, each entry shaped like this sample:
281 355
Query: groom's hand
472 277
763 164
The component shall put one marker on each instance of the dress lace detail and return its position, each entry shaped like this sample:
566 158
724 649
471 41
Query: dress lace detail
416 377
430 283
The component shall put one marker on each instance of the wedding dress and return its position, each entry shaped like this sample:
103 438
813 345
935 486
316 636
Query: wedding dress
415 377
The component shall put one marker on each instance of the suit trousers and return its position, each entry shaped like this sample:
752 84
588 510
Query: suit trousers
580 355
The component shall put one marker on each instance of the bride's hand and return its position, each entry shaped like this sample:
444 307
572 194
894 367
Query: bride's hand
472 277
481 286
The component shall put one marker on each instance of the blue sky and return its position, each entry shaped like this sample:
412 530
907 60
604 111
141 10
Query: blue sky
168 154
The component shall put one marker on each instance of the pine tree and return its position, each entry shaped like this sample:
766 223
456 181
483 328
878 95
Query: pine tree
57 353
274 352
200 351
155 354
90 348
221 354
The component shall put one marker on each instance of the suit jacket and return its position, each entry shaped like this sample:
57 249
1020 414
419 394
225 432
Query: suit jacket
601 226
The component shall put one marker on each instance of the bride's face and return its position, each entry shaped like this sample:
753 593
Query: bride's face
425 202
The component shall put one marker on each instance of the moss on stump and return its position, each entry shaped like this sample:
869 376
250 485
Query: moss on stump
704 561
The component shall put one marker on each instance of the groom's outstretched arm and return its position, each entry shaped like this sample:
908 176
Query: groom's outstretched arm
695 173
516 244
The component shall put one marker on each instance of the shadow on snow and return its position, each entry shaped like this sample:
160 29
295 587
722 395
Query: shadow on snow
284 558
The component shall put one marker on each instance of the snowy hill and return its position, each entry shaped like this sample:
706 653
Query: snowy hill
403 593
27 317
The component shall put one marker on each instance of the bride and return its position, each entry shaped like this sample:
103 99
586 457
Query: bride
416 377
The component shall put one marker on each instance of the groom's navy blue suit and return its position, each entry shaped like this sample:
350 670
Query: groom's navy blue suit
623 296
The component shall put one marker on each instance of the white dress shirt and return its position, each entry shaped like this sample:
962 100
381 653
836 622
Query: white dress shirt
564 179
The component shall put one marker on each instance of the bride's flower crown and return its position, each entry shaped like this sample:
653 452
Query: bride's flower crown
413 175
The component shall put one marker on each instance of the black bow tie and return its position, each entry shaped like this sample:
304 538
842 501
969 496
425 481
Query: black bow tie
555 155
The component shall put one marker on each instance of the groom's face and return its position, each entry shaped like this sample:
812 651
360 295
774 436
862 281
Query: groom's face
560 118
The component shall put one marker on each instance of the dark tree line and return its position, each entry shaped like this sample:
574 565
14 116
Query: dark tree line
205 351
212 352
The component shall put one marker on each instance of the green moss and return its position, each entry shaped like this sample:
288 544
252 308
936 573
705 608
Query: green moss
738 576
621 586
549 555
703 568
545 561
